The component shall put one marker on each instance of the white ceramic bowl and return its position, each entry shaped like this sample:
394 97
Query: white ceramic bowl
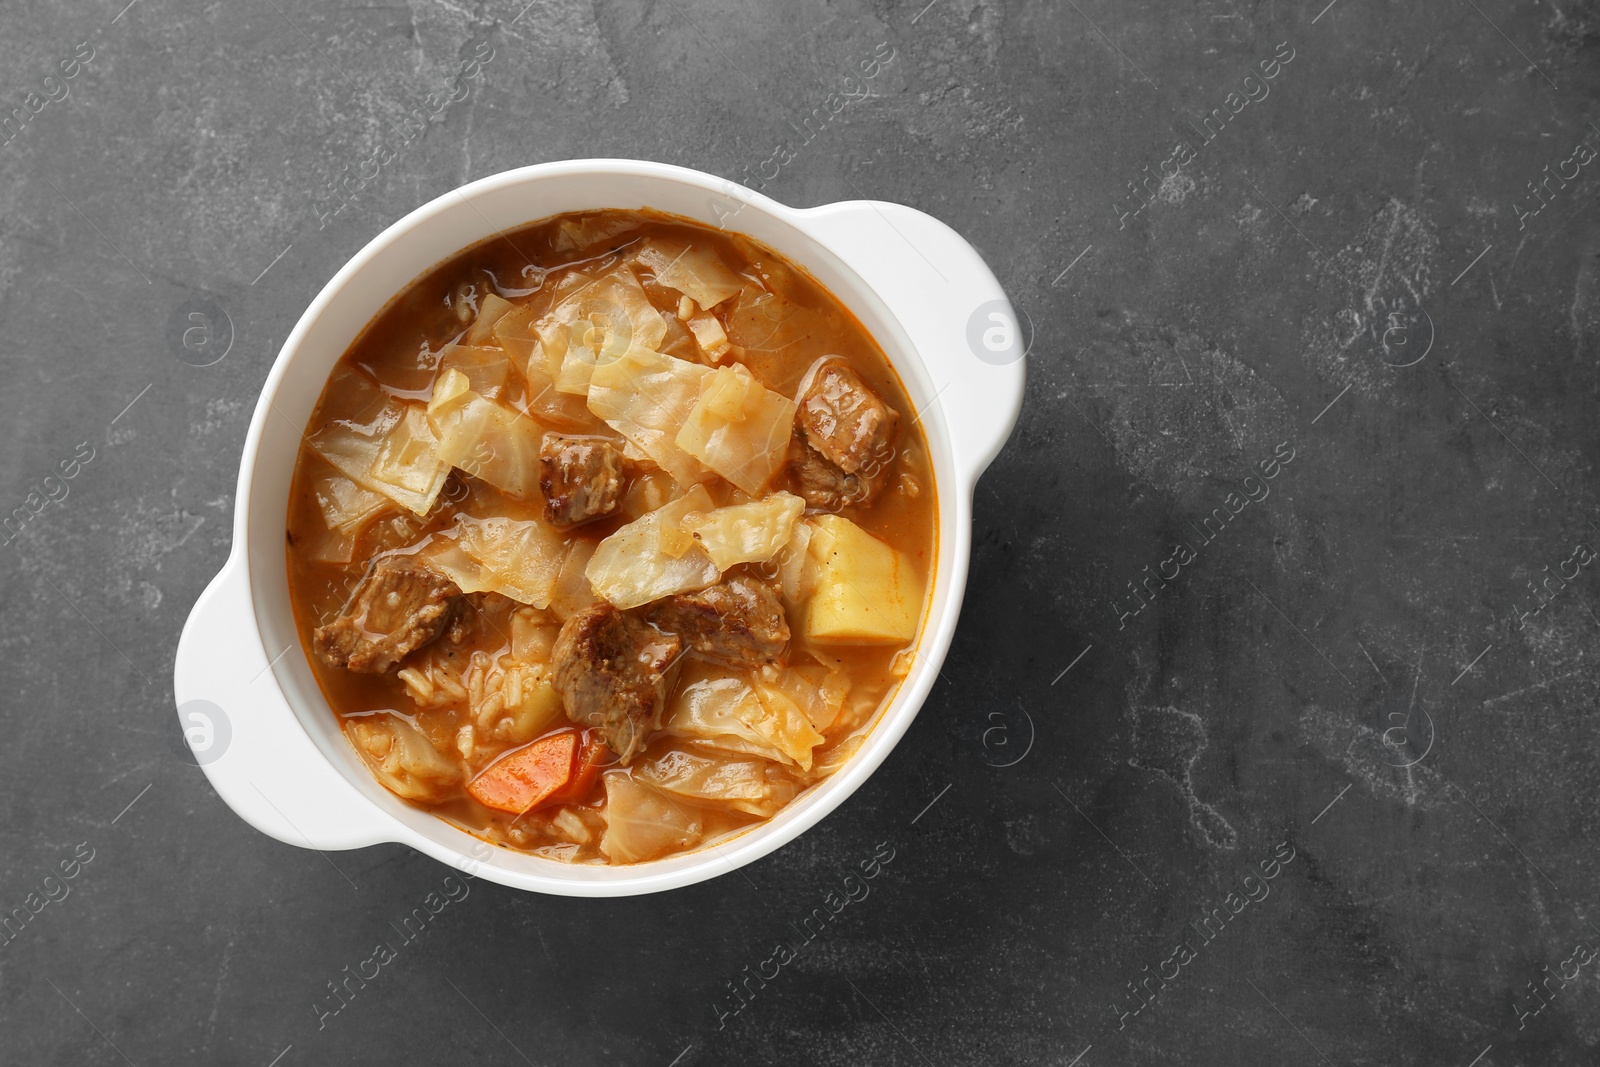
255 718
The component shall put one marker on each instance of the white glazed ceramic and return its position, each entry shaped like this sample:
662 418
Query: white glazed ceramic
280 760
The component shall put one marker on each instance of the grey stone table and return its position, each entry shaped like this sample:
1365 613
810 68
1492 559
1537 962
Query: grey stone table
1269 731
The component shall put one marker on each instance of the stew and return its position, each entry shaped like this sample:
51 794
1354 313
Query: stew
610 536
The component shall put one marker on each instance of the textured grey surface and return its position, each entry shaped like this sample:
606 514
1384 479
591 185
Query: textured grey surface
1379 581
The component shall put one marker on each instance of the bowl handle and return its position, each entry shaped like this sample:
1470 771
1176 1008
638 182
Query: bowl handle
950 304
246 738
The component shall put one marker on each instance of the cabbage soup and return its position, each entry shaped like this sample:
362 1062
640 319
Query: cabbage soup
610 536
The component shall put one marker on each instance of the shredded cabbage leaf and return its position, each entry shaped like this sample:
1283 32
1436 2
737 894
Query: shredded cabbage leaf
693 270
486 368
763 322
679 341
573 592
797 571
354 397
486 439
514 333
346 507
643 821
790 728
392 451
754 786
490 311
408 459
819 691
327 546
402 757
766 327
518 558
648 398
597 323
563 411
565 284
745 533
725 711
837 756
575 234
652 556
739 428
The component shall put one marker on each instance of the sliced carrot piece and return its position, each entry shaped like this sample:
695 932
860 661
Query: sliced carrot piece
525 777
592 755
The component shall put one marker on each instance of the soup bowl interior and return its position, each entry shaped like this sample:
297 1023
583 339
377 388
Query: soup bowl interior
384 269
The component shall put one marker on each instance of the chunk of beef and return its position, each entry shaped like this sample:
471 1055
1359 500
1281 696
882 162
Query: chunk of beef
400 605
822 484
739 622
844 439
581 478
846 421
612 670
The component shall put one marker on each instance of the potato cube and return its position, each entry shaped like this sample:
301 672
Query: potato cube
538 707
866 592
709 334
